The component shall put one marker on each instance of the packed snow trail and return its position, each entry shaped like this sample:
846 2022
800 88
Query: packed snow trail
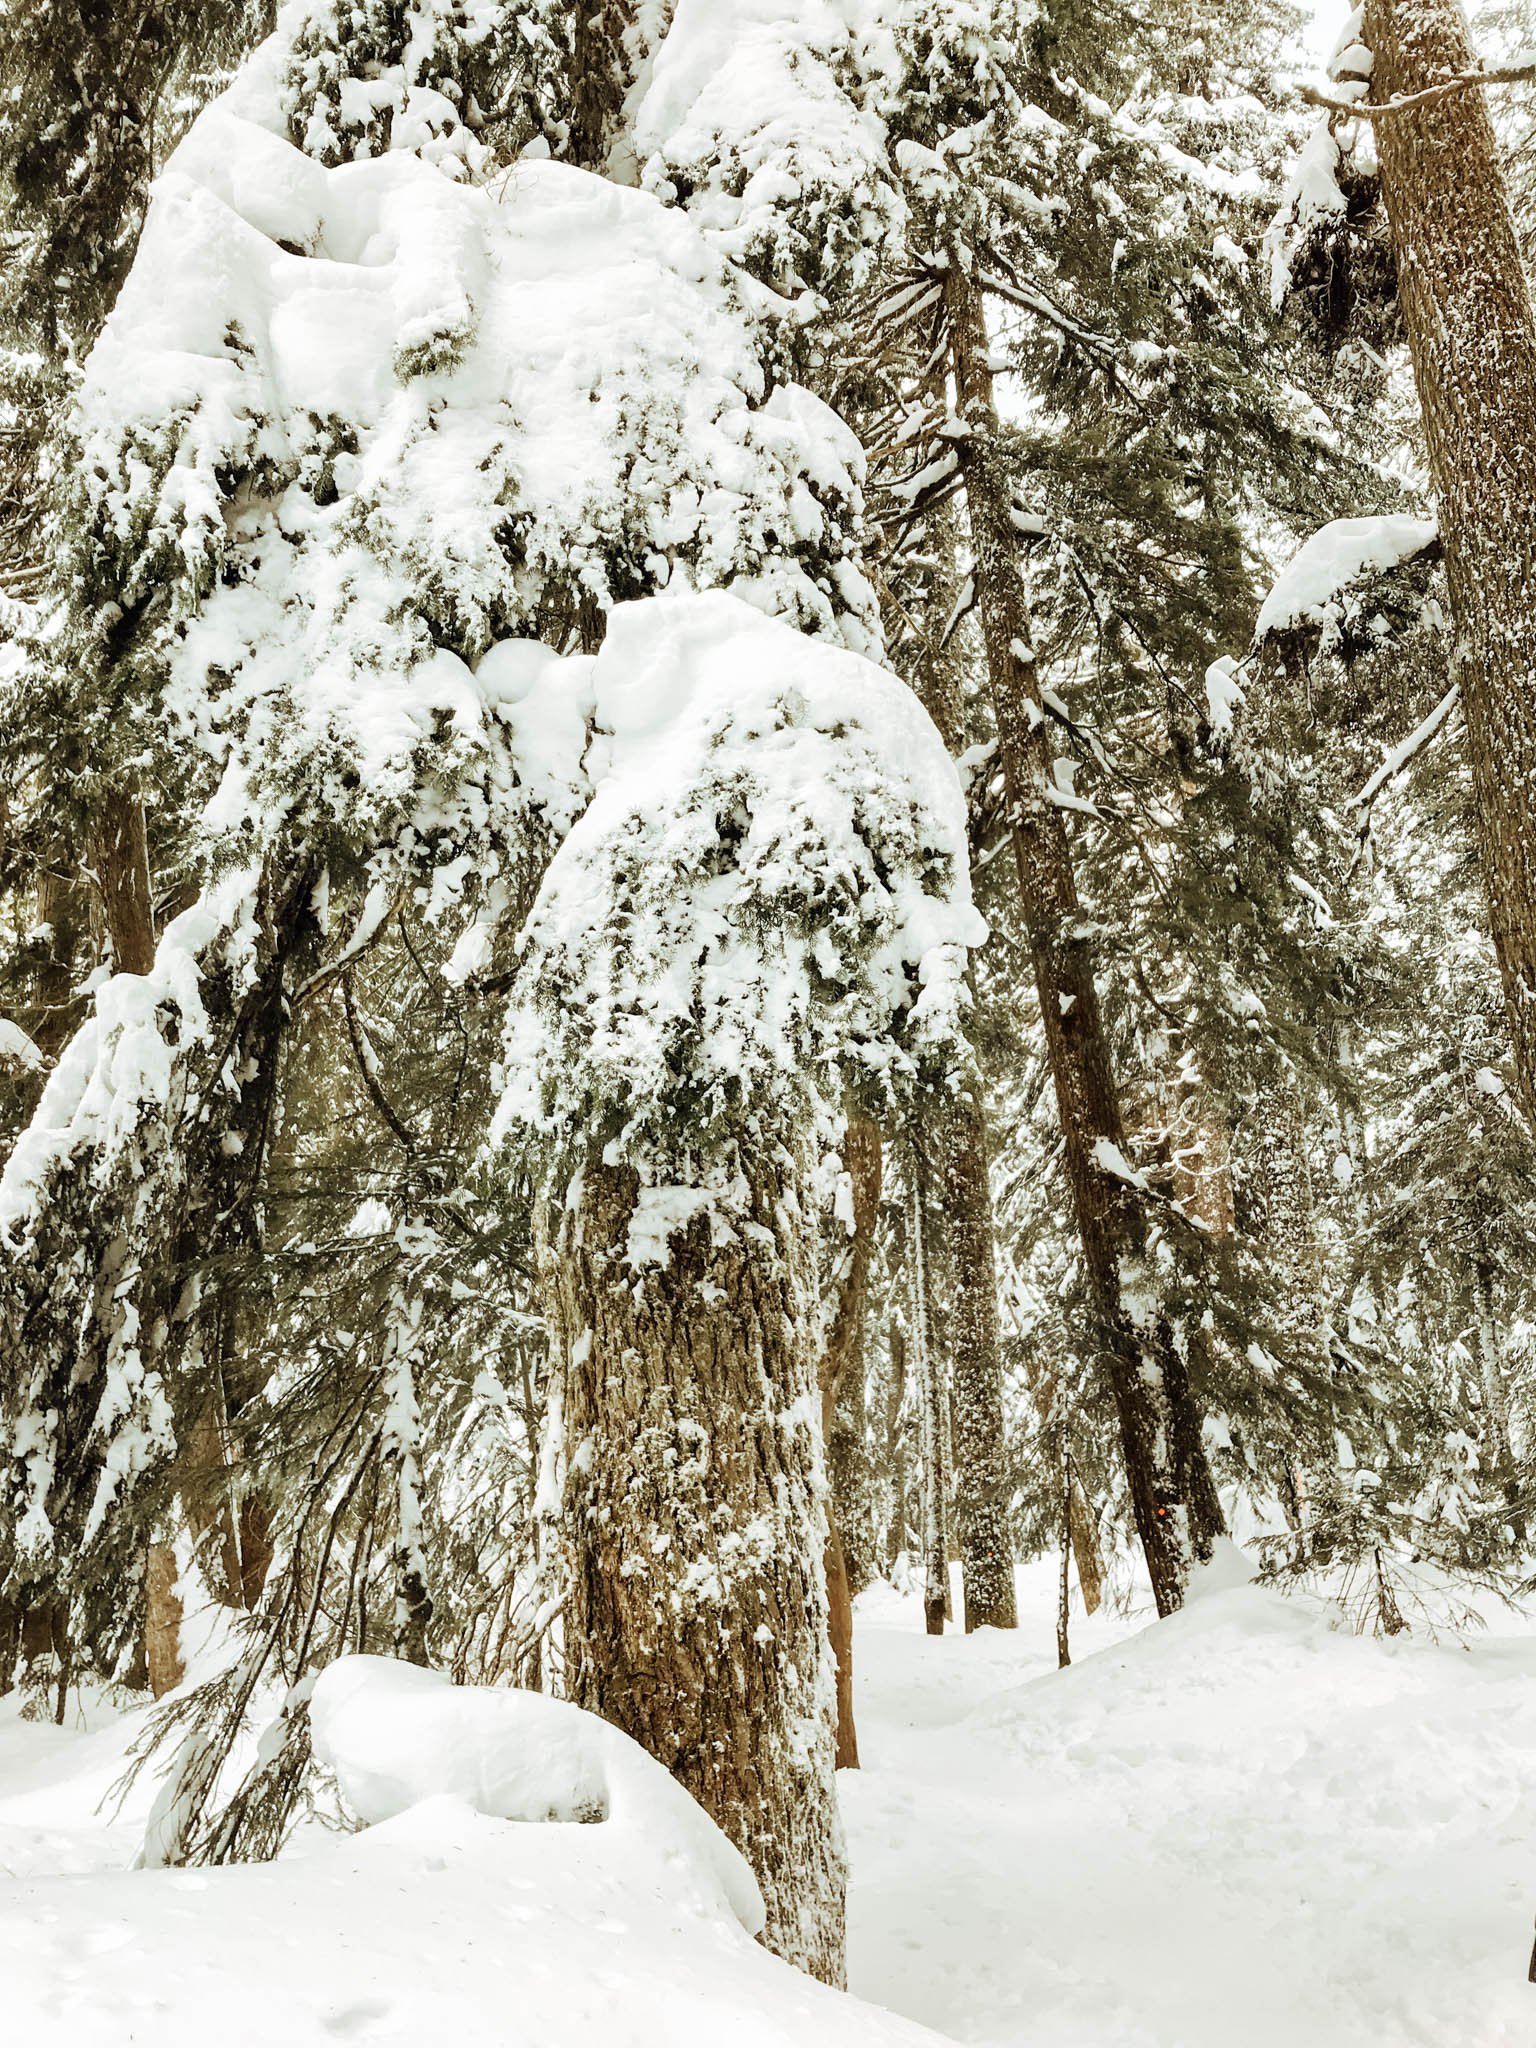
1238 1828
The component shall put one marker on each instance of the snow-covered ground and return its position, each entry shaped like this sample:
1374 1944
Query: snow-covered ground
1241 1827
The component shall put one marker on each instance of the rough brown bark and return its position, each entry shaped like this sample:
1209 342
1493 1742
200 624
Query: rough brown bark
930 1410
1160 1435
696 1615
120 868
960 1130
1467 309
980 1436
842 1360
162 1620
120 871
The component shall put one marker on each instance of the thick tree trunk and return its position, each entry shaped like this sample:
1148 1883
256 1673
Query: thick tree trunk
696 1614
1177 1517
1467 309
842 1364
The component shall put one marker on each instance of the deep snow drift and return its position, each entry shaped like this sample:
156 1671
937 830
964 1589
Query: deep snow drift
1238 1828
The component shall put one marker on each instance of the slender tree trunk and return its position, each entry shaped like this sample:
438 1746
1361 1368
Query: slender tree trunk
1160 1434
1063 1602
607 49
120 870
981 1470
1495 1447
63 911
1467 309
223 1222
842 1363
930 1398
895 1462
696 1614
980 1437
120 864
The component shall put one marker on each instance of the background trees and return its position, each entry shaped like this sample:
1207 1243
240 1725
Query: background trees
443 697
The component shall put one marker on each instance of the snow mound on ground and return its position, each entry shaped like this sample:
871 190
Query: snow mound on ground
1226 1568
437 1925
1309 590
441 1926
1245 1824
396 1735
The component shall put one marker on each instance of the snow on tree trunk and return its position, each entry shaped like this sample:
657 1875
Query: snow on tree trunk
961 1142
841 1379
1467 309
762 914
980 1433
930 1410
696 1610
1177 1515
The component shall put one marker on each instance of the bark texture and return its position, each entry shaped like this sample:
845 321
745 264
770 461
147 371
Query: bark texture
1467 310
980 1436
930 1410
960 1134
842 1379
1177 1514
696 1612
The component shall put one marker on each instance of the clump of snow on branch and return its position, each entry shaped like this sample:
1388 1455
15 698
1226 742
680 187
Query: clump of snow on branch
348 79
349 427
1314 589
122 1082
768 893
1312 202
756 118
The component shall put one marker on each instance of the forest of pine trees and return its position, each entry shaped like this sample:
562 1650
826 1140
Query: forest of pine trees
767 825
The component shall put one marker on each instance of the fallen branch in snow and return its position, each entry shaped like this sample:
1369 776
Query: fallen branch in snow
1365 110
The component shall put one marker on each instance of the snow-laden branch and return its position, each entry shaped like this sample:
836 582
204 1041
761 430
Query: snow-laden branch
1519 72
1400 755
